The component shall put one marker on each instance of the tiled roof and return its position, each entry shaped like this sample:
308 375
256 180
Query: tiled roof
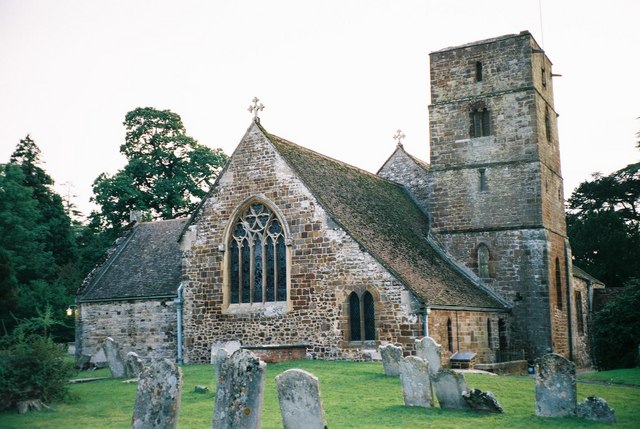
382 217
144 264
580 273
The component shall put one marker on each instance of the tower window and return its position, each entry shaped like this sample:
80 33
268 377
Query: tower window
362 317
544 77
483 180
558 285
483 261
258 262
480 122
478 71
547 123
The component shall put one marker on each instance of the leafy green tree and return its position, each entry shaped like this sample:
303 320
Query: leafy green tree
603 222
166 175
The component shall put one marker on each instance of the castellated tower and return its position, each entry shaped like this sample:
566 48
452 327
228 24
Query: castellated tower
496 187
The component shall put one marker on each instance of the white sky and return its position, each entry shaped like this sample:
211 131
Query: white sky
339 77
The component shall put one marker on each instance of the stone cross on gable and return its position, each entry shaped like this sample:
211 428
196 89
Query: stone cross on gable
255 108
399 136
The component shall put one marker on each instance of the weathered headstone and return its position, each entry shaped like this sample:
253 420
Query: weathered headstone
158 396
240 391
133 365
449 387
114 357
228 346
596 409
300 401
391 357
416 382
555 386
99 359
429 350
478 400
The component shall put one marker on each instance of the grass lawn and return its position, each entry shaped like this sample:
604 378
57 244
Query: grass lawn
355 395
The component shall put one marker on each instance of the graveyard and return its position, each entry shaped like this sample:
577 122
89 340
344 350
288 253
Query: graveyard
354 395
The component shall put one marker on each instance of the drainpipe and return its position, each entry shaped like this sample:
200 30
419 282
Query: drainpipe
425 318
179 302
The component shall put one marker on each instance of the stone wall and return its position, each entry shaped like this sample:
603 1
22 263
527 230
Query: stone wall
324 266
411 173
146 327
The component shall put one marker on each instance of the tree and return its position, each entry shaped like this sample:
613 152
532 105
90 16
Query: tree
603 222
167 172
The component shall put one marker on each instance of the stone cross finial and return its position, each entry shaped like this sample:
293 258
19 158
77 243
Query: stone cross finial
255 108
399 136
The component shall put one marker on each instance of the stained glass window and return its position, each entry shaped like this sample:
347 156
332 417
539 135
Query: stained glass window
258 260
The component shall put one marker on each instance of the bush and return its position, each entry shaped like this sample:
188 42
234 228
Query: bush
616 330
32 367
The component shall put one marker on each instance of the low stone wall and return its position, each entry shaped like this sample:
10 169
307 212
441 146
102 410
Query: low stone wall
512 367
278 353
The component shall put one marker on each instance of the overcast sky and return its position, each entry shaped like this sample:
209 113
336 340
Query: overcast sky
339 77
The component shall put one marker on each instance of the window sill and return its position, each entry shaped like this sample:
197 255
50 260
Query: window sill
267 309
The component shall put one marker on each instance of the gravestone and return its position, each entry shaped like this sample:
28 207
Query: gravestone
416 382
449 387
391 357
228 346
114 357
133 365
596 409
555 386
99 359
240 391
429 350
478 400
300 401
158 397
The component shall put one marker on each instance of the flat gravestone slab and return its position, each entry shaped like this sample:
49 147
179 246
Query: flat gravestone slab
114 357
391 357
555 386
416 382
300 401
449 387
429 350
240 391
158 397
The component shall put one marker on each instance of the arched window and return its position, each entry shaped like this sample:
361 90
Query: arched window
362 314
450 335
502 336
558 285
489 334
480 120
257 260
478 71
483 261
547 124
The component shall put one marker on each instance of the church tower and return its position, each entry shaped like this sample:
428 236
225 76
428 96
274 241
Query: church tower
496 186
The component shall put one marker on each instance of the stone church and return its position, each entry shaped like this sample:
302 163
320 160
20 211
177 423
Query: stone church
296 254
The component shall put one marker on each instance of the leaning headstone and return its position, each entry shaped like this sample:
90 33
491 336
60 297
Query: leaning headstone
478 400
449 387
158 397
555 386
240 391
416 383
300 401
596 409
133 365
391 357
429 350
114 357
99 359
228 346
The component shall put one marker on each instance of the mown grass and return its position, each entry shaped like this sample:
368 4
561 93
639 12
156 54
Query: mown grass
616 376
355 395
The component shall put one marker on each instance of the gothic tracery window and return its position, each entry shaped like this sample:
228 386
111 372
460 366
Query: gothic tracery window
258 262
362 317
480 120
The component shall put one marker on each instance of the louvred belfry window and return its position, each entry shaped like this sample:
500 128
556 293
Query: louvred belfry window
258 262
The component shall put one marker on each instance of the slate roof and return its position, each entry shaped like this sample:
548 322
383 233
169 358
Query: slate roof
381 216
144 264
582 274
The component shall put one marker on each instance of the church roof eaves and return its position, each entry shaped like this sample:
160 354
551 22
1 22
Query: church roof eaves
143 265
381 217
582 274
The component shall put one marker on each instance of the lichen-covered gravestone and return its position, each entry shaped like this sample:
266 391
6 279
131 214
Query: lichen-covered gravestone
133 365
391 357
429 350
158 397
449 387
300 401
114 358
416 382
228 346
478 400
240 391
555 386
596 409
